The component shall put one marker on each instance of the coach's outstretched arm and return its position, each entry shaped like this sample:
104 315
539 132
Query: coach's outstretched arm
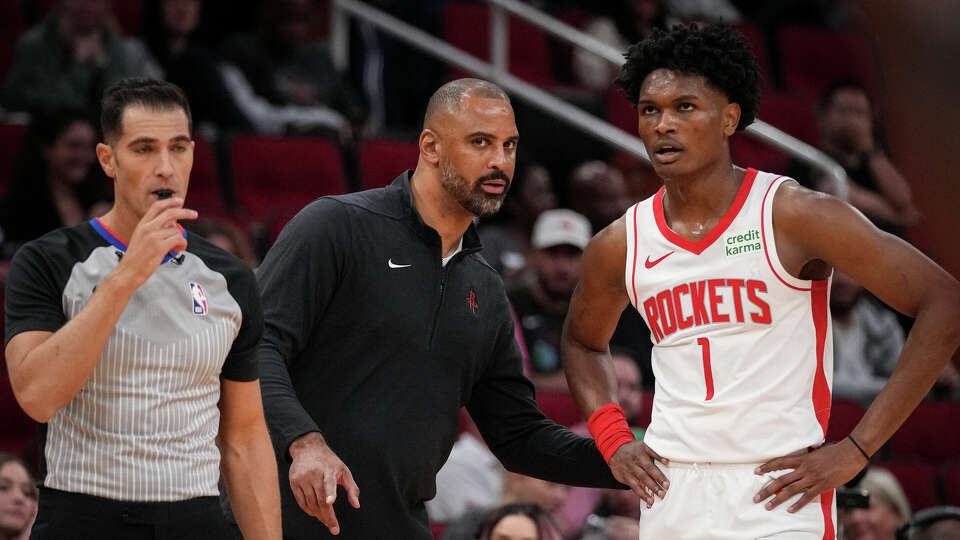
48 368
595 310
815 232
297 279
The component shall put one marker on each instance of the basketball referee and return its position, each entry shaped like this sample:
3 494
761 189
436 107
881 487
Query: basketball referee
381 320
137 350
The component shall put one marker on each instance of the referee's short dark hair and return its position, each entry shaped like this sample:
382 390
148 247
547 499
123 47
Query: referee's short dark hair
149 93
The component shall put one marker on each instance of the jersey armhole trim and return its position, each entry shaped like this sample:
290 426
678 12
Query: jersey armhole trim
770 243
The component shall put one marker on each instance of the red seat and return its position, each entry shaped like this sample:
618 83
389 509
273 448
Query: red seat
814 59
277 176
559 407
466 26
930 433
844 416
620 112
917 479
381 161
643 419
10 137
750 152
951 483
203 193
792 113
758 44
11 26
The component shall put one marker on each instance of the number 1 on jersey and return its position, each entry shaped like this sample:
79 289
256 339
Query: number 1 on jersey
704 344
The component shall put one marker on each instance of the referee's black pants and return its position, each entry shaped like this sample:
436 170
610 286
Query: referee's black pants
75 516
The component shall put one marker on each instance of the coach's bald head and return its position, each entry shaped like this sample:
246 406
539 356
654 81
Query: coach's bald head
449 98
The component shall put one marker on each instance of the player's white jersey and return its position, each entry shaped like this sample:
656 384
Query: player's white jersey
742 353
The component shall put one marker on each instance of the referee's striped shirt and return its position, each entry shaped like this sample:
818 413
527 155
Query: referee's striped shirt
143 426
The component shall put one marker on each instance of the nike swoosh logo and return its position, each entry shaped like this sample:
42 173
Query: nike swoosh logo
391 264
650 264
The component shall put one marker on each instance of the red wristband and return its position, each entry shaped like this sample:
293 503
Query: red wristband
610 430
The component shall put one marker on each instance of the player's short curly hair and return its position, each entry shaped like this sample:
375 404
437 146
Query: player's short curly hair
716 51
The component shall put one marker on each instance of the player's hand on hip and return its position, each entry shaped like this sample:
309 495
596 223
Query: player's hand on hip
156 235
634 464
314 475
813 473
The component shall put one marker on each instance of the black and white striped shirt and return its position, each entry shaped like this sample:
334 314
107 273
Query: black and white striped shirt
143 426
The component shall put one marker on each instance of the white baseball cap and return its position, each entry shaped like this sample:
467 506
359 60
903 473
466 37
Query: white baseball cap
560 227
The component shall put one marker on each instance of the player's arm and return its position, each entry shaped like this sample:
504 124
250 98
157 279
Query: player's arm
594 312
47 369
247 461
819 231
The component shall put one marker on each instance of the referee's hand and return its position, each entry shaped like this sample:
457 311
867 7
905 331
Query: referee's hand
155 235
314 476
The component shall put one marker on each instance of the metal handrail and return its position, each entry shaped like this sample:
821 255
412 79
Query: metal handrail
497 71
517 87
758 129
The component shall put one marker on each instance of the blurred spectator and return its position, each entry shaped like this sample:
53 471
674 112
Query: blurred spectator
507 238
626 22
281 77
616 517
56 180
598 191
225 236
470 480
848 134
936 523
70 57
18 499
518 522
170 30
542 297
582 502
888 509
517 488
704 10
867 339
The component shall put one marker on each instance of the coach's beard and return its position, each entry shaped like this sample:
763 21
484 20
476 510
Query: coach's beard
472 197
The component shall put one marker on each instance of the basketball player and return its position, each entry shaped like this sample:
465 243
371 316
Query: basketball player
730 268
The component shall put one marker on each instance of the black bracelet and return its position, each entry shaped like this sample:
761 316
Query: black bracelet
858 447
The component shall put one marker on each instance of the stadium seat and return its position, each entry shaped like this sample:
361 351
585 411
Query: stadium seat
844 416
918 480
620 112
559 407
950 480
381 161
203 194
11 26
750 152
792 113
466 27
759 45
814 59
930 433
646 410
277 176
10 137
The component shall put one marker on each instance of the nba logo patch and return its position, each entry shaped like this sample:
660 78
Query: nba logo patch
199 299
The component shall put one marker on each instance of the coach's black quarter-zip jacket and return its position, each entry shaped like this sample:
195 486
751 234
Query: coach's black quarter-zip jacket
372 342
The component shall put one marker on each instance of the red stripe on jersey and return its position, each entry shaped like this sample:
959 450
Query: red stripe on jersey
633 277
763 236
721 226
821 390
826 505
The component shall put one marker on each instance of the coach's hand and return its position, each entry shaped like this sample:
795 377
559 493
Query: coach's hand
828 467
634 464
314 476
156 235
